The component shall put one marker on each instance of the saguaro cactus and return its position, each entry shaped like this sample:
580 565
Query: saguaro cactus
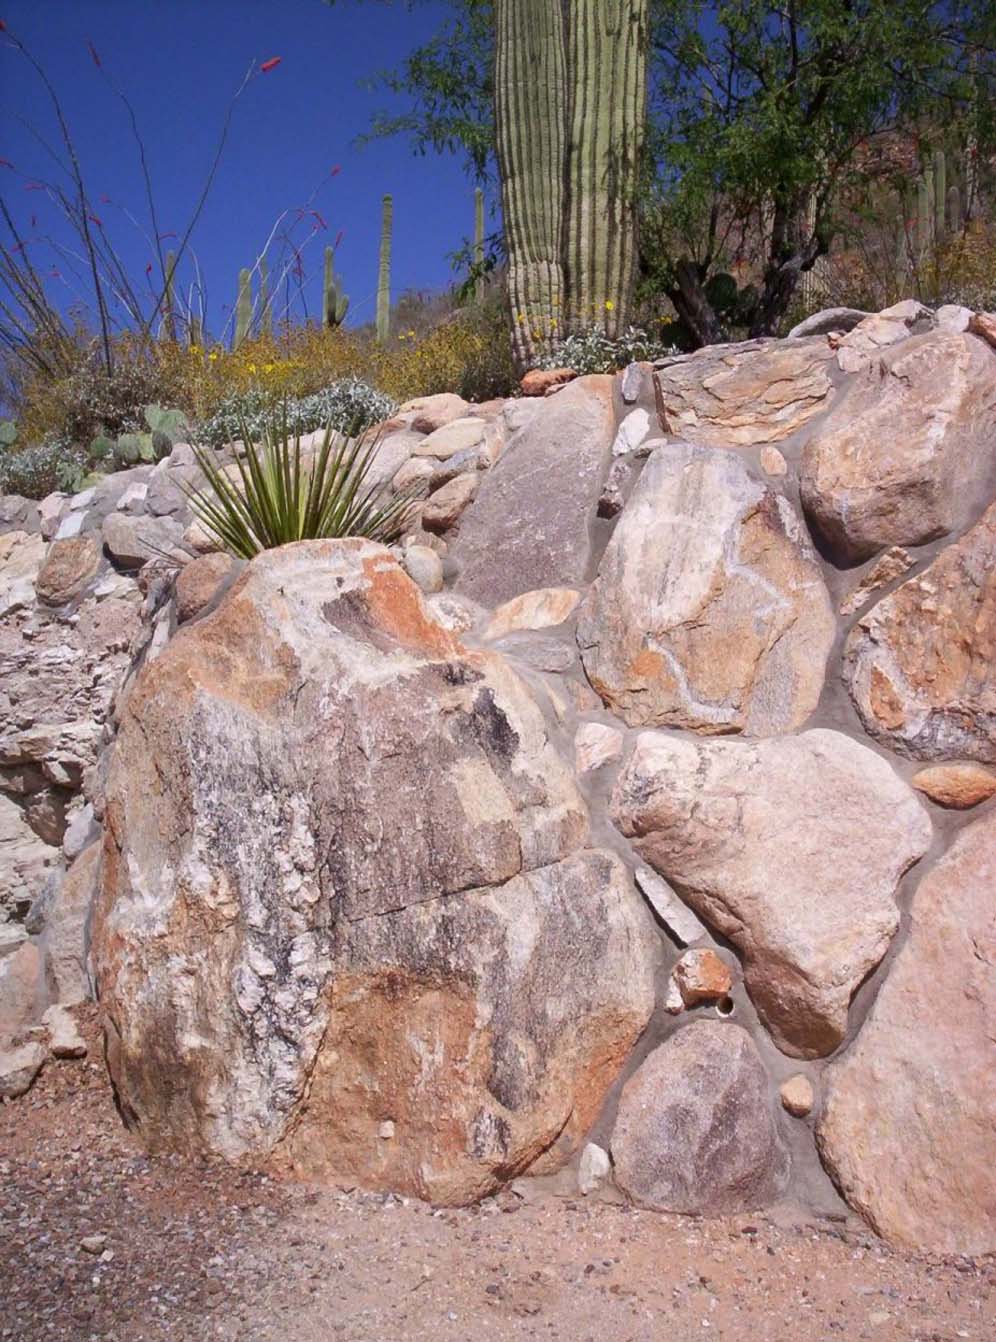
169 298
335 304
607 56
940 192
384 271
479 243
530 102
243 308
570 91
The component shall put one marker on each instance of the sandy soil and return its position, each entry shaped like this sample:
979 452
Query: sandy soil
100 1244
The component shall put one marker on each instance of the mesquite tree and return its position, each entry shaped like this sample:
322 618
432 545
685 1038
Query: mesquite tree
569 95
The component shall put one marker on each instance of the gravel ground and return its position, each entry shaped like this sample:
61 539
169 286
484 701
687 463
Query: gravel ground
100 1244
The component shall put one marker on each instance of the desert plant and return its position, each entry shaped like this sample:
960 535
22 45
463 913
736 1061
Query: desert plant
165 429
8 433
384 271
335 304
342 404
594 352
36 471
279 498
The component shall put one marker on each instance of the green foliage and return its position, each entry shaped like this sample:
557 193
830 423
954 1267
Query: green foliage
8 433
594 352
279 498
335 304
165 428
342 404
34 472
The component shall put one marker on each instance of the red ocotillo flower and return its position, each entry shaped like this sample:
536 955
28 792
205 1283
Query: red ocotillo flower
321 222
269 65
6 163
105 200
33 186
336 170
148 269
94 220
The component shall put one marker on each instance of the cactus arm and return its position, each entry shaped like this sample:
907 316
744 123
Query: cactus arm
243 308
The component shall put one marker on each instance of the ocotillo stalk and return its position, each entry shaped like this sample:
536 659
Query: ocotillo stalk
479 243
940 192
265 310
384 272
607 57
243 308
169 298
530 101
954 209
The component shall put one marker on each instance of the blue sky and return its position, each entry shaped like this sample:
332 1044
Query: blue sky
179 62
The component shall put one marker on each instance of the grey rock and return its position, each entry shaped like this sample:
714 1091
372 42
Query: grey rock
696 1130
594 1168
828 320
18 1069
64 1038
677 917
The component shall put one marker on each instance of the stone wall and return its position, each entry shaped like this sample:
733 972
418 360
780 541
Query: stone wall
630 824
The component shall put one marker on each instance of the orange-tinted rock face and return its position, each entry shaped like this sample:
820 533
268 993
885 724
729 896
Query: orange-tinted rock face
342 865
919 664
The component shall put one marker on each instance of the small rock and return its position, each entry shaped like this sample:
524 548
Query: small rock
958 786
386 1130
595 744
797 1095
459 436
69 566
984 324
631 433
71 525
891 565
64 1038
414 476
199 539
594 1168
674 1003
681 922
424 567
445 506
18 1069
429 413
631 382
772 461
702 976
93 1243
538 381
542 608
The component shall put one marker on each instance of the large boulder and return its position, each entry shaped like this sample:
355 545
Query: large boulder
910 1110
344 873
25 861
529 525
919 664
908 454
760 391
696 1129
709 610
793 849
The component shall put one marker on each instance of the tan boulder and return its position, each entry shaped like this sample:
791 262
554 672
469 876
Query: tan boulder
540 381
426 414
25 859
21 991
696 1129
444 508
69 567
458 436
760 391
919 664
198 582
909 451
983 325
709 610
595 744
797 1096
959 786
370 937
793 849
910 1109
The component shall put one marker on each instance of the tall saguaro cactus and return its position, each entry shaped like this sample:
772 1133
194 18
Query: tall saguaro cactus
169 298
570 92
243 308
384 271
530 102
607 54
335 304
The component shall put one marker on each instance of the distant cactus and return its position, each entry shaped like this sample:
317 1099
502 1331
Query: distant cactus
169 298
265 308
384 271
954 209
243 308
196 332
924 209
335 304
940 174
479 243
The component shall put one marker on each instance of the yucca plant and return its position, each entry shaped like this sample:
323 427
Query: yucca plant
280 498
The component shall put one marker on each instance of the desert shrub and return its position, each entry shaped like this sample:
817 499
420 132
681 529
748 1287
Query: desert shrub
36 471
280 497
593 351
470 353
342 405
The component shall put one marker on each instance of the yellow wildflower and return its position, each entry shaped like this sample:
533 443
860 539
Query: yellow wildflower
213 355
609 305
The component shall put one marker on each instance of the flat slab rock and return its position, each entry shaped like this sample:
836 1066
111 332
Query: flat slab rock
908 453
696 1129
344 870
910 1110
529 525
709 610
919 665
793 849
759 391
